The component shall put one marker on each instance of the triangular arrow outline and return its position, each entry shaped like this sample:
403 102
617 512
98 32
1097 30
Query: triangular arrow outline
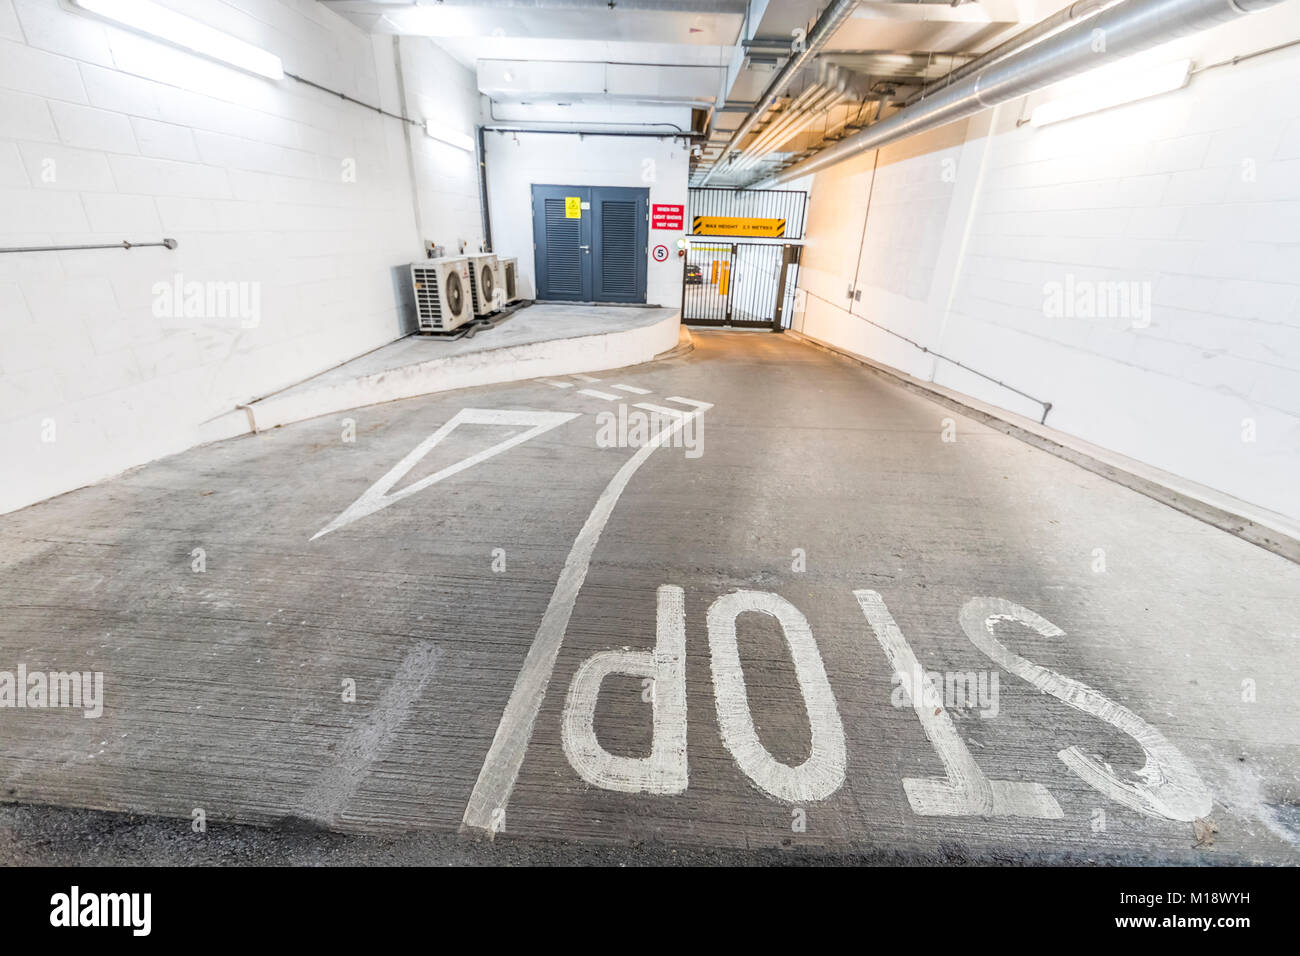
376 497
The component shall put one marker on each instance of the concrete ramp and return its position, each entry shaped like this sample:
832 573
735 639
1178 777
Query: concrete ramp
536 341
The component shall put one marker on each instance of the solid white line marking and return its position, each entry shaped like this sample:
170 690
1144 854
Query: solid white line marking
595 394
584 378
330 793
486 807
633 389
376 496
557 384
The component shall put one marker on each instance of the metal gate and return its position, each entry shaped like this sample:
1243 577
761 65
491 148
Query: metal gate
742 284
713 205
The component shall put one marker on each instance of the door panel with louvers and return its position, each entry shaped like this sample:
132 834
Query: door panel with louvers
620 253
562 256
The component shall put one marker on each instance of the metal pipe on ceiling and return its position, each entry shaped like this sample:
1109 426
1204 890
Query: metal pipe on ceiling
815 99
1057 21
830 21
1128 27
795 124
779 121
824 101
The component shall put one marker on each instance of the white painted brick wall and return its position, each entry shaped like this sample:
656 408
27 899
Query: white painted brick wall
108 135
1196 193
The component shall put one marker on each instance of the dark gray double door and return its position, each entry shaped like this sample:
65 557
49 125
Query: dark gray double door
590 243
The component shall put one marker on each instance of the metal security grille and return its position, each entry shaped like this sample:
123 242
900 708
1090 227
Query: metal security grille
747 213
618 247
742 284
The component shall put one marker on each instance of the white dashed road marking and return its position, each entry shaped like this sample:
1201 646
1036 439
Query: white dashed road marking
660 409
633 389
584 378
597 394
557 384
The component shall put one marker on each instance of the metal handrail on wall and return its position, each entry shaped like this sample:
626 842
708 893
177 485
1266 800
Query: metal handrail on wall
167 243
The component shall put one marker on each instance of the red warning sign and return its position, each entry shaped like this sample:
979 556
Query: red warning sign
667 217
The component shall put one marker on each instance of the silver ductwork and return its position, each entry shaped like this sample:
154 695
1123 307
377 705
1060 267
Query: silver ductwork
1128 27
830 20
835 85
1043 28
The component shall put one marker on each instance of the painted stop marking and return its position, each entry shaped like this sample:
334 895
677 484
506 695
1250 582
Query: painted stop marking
661 253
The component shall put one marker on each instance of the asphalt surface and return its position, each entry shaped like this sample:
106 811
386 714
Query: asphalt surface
229 631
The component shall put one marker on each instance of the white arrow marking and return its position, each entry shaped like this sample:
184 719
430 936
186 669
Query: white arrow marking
377 496
500 768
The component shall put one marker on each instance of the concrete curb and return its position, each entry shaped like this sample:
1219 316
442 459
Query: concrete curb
1266 529
492 366
684 344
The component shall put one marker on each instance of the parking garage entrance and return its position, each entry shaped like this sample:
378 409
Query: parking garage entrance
741 267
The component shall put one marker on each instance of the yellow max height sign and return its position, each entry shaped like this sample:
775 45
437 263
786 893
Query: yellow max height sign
572 207
737 226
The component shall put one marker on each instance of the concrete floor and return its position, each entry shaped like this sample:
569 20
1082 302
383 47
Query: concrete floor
223 687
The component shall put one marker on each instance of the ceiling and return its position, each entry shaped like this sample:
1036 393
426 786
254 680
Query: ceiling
641 64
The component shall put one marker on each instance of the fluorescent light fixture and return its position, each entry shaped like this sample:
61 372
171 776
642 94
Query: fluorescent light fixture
157 21
449 136
1115 89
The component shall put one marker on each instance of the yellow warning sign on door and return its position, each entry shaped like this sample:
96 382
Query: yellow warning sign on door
737 226
572 207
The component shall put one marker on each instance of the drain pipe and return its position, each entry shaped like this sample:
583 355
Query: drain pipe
1128 27
485 215
830 20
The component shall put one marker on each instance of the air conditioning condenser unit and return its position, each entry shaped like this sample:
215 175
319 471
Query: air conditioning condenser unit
485 283
510 279
442 293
